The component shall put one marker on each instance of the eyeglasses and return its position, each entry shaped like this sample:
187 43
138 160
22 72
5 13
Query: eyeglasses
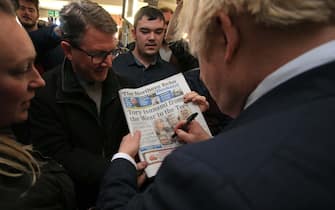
98 58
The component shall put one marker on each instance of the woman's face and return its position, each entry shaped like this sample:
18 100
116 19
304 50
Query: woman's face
18 76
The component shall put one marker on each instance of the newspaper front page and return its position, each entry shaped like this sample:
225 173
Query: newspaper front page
155 110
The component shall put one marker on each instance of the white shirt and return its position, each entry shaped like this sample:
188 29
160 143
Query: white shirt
316 57
124 156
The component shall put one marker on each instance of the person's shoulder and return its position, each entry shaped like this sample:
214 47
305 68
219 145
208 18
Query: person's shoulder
122 61
52 75
167 66
123 58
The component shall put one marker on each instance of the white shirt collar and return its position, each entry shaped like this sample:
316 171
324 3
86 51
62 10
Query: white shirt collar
316 57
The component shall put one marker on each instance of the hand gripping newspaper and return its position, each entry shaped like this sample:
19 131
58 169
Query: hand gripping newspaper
155 109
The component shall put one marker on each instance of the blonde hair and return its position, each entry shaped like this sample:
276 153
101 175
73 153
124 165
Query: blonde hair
16 159
196 17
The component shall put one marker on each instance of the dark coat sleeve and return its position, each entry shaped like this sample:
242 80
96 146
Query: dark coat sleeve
44 39
173 188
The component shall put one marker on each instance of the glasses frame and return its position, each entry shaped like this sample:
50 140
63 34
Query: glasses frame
114 53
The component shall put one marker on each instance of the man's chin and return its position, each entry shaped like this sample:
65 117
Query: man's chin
151 53
27 24
100 76
23 116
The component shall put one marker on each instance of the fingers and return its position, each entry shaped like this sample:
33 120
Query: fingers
184 136
179 124
141 176
195 133
189 96
141 179
141 165
195 98
192 137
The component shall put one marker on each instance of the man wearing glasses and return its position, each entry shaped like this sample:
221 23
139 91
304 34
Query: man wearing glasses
77 118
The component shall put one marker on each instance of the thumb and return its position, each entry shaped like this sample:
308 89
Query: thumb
137 136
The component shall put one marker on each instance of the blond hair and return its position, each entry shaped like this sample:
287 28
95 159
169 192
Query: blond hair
196 17
16 159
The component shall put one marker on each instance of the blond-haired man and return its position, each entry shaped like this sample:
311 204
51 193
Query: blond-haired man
270 65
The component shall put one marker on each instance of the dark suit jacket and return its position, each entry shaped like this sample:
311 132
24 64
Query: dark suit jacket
278 154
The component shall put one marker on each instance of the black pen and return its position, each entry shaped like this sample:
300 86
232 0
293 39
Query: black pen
188 121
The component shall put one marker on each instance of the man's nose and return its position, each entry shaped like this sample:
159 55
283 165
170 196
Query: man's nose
108 60
152 35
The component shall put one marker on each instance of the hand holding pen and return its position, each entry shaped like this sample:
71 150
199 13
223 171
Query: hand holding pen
191 131
188 121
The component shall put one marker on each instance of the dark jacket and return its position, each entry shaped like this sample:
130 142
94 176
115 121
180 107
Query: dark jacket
135 74
65 125
277 154
53 189
48 49
181 56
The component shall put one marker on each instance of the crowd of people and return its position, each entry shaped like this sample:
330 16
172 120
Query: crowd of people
261 72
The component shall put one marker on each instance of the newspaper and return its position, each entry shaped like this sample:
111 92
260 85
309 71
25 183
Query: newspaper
155 109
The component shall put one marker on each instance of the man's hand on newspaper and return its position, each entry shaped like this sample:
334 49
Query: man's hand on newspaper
194 133
197 99
141 176
130 144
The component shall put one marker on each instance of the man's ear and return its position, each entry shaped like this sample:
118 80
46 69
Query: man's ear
230 31
67 48
133 32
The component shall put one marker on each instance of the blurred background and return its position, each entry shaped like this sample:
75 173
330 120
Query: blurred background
122 12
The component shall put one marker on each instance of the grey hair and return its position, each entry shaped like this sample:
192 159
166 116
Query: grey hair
78 15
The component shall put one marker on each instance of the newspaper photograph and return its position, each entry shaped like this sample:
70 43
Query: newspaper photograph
155 109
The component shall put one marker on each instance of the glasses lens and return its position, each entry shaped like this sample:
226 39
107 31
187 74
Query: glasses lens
97 60
100 57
